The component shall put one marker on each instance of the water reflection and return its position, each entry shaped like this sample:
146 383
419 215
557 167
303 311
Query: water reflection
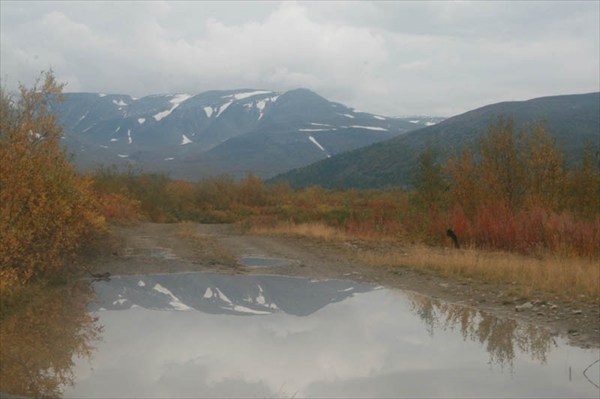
501 337
261 261
210 335
223 294
39 343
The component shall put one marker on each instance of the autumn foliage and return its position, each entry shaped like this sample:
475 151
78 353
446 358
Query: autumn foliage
510 192
515 194
46 210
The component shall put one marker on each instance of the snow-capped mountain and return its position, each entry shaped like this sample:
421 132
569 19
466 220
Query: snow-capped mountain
223 294
216 132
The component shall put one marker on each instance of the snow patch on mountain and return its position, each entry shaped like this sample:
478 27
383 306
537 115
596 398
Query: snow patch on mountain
176 100
185 140
163 114
381 118
123 155
347 116
369 127
179 98
129 136
315 142
263 103
141 120
120 103
241 96
223 107
208 111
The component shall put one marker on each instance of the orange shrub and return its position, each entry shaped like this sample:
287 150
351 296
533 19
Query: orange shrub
119 208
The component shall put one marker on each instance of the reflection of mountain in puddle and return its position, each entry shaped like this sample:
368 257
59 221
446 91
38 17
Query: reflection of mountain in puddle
182 336
501 337
40 339
223 294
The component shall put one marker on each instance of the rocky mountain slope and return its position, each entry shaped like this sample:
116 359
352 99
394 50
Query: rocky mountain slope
218 132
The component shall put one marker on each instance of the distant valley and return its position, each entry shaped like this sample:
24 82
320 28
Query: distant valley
218 132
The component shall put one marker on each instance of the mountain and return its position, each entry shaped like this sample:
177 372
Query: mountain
218 132
223 294
572 119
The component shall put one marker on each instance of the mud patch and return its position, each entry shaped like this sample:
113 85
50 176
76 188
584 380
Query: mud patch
262 261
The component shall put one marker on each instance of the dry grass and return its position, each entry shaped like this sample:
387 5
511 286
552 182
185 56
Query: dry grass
562 277
313 230
549 276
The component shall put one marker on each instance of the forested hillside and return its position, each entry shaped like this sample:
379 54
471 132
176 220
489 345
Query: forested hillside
573 120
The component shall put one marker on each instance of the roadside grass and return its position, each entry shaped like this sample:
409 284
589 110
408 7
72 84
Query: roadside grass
565 278
551 276
313 230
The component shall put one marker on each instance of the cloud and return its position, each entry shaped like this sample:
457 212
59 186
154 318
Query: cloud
386 58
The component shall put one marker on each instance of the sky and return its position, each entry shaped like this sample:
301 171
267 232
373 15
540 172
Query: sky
388 58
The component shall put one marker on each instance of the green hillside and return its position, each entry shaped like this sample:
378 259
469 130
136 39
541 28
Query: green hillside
573 119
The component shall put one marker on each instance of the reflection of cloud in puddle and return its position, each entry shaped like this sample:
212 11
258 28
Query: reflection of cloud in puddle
371 344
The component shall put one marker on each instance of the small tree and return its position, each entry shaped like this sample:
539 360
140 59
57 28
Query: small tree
544 169
464 175
46 210
428 180
584 184
503 171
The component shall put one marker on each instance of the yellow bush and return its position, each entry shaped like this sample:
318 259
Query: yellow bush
46 210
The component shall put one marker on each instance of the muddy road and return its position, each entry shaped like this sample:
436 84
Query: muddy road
149 248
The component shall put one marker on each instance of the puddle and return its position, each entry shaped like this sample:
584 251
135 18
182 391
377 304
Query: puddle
154 252
260 261
213 335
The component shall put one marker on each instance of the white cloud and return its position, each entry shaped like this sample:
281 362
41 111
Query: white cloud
386 58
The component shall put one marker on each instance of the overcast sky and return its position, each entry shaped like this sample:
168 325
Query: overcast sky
389 58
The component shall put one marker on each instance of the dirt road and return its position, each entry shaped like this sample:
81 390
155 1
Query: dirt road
170 248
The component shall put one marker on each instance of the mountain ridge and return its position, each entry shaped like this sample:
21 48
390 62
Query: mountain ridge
572 119
195 136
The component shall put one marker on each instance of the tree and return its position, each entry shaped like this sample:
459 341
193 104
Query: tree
545 169
465 188
584 184
46 210
428 180
503 172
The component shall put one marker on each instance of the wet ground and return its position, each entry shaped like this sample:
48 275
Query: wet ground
208 311
218 335
170 248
